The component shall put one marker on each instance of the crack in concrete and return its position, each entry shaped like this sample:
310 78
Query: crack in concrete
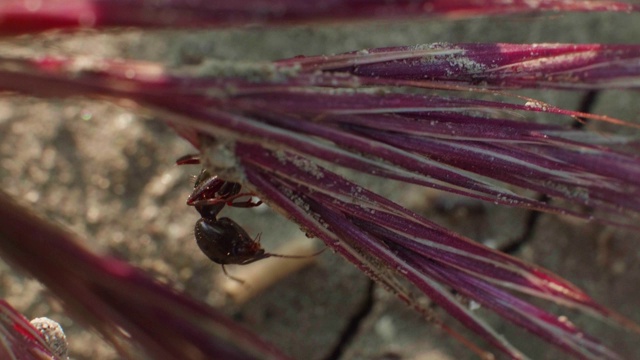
354 325
586 104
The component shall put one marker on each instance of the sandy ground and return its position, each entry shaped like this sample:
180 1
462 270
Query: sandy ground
110 176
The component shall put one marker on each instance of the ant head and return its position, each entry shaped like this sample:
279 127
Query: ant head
209 187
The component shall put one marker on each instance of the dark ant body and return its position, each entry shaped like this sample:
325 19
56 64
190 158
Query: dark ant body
223 240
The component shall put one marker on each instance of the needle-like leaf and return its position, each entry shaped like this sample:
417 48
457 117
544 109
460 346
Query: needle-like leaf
389 242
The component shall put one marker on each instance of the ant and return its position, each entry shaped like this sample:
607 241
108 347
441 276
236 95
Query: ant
223 240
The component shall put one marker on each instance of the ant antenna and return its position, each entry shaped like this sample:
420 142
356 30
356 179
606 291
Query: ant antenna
296 256
268 255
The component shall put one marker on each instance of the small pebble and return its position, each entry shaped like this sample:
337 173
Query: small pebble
53 335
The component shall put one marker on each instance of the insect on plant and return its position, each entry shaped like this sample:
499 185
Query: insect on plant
222 240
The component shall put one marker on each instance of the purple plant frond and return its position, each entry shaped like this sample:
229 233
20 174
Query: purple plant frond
372 258
466 146
388 242
422 147
20 16
117 299
19 339
502 66
556 330
350 110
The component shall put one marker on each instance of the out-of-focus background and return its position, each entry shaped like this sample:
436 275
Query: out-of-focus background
111 177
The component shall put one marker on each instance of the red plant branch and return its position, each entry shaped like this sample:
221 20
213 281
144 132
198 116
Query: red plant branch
112 296
18 16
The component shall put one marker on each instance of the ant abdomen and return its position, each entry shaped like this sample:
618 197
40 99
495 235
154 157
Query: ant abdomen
225 242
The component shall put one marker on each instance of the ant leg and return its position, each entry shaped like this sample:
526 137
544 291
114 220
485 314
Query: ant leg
229 201
221 202
243 204
190 159
224 270
207 187
207 202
